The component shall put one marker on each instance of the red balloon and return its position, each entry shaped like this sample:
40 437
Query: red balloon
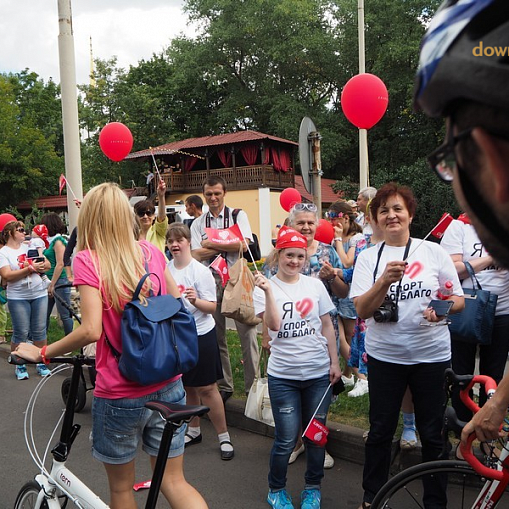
289 197
324 232
364 100
4 219
116 141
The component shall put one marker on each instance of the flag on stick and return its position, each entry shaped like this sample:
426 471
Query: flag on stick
315 430
61 183
225 236
221 267
442 225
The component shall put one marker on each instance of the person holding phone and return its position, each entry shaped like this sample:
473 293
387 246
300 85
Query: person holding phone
393 284
26 293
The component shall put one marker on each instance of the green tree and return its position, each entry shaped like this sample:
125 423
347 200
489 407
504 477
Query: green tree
29 162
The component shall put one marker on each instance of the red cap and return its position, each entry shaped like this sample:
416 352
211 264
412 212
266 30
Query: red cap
4 219
288 237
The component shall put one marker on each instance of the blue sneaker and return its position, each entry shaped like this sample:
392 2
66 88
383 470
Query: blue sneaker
21 372
310 499
43 370
279 499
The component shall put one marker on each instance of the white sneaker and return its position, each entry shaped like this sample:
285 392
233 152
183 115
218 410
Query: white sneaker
349 382
329 461
361 388
295 454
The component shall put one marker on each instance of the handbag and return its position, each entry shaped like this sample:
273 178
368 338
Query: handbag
238 294
159 338
258 405
475 323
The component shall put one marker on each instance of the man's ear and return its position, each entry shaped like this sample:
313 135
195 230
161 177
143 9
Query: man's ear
495 154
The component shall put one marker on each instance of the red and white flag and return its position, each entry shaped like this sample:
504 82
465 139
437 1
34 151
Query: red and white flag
221 267
225 236
464 218
61 183
442 225
317 432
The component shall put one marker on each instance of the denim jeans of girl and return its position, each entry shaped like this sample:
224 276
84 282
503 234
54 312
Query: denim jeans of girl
28 319
65 315
293 403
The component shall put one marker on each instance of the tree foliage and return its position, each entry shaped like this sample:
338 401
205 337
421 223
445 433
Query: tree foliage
29 158
252 64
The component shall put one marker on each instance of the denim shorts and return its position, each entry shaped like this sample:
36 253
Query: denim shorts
119 424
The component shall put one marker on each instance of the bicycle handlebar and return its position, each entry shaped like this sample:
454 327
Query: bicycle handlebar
480 468
466 382
74 360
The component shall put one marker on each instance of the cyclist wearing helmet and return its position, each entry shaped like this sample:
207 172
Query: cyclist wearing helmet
463 76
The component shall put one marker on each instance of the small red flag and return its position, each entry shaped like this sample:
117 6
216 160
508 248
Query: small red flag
142 485
61 183
442 225
225 236
317 432
221 267
464 218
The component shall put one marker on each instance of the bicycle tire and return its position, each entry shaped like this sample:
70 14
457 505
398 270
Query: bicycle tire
81 396
27 496
404 490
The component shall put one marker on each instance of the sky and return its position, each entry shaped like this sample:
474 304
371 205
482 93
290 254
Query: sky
131 30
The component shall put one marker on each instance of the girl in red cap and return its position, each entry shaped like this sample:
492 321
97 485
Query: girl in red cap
302 363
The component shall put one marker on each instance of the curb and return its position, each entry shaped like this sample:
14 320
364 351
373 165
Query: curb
344 442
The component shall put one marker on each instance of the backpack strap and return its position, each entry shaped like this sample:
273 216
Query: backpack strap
235 213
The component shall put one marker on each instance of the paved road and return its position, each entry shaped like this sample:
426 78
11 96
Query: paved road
240 483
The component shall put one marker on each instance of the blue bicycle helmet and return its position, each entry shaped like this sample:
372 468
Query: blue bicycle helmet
449 69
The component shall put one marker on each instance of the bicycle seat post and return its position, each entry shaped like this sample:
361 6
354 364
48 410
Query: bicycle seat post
161 460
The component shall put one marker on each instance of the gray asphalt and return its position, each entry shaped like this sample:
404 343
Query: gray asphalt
240 483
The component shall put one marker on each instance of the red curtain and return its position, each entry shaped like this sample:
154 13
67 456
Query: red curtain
189 163
225 157
284 159
275 159
249 153
267 155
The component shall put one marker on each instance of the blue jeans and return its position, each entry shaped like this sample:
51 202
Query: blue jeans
65 315
28 319
118 425
387 385
293 403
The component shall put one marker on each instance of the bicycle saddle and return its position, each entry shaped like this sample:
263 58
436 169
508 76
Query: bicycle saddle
171 412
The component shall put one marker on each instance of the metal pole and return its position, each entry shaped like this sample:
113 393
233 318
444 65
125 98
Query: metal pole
72 153
363 133
316 170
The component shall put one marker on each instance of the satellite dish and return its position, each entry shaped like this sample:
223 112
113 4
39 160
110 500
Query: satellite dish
306 127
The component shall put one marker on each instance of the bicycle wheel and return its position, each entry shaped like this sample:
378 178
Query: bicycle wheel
406 490
27 496
81 397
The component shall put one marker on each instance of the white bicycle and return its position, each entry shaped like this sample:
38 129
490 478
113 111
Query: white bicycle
53 489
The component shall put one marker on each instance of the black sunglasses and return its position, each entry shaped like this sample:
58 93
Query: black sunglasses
148 212
21 230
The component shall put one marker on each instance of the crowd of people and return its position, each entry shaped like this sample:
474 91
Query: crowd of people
364 297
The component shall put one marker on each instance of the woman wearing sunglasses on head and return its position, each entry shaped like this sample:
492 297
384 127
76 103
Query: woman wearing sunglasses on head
153 229
26 292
